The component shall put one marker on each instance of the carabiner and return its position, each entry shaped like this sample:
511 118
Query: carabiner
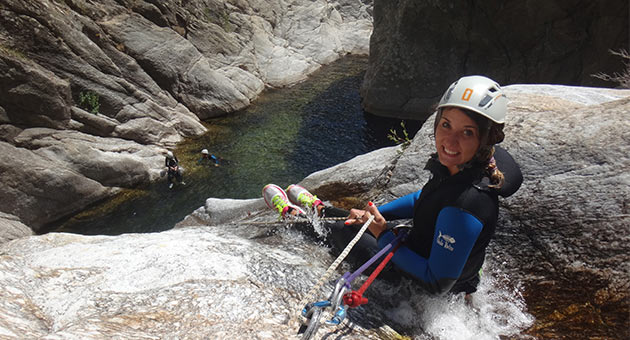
339 316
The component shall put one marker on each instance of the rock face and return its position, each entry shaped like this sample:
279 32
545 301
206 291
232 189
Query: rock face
109 85
568 223
419 47
221 282
11 228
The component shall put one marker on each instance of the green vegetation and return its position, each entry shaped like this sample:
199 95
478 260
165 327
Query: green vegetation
221 18
623 78
12 52
88 101
404 139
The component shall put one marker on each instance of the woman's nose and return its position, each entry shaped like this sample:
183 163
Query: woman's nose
451 139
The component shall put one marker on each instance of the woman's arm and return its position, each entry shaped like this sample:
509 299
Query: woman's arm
400 208
456 232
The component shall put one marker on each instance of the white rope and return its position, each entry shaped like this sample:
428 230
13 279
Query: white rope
289 221
335 264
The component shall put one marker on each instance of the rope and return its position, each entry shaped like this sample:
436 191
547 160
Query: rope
289 221
335 264
377 271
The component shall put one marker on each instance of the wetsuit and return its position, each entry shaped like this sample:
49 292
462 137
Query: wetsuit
210 158
171 162
454 218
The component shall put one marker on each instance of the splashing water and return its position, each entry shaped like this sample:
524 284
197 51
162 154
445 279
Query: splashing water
495 311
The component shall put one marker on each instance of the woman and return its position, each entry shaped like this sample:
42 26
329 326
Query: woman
208 158
455 213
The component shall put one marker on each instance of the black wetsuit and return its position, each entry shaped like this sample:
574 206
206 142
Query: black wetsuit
172 162
454 218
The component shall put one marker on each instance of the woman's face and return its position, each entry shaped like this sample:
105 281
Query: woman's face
456 138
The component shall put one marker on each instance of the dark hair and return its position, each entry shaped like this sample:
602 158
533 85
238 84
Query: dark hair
490 133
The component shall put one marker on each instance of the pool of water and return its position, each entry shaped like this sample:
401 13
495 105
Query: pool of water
284 136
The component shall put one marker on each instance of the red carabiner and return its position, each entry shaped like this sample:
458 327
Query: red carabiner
354 299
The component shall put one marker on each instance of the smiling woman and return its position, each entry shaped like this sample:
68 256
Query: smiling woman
455 213
456 138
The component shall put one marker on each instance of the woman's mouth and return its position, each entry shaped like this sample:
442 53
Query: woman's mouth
449 152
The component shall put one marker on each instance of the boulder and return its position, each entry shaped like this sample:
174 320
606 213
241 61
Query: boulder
12 228
202 282
67 170
418 48
31 95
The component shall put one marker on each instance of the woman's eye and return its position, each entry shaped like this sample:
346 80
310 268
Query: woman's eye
445 124
468 133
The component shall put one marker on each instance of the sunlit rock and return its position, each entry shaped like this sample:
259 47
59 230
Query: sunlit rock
144 74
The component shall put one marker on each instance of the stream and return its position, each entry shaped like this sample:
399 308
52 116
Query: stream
285 135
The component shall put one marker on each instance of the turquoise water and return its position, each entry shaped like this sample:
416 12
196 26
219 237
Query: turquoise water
284 136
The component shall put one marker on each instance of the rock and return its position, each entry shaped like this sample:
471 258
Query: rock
31 95
68 170
418 48
344 182
142 75
203 282
573 204
12 228
185 74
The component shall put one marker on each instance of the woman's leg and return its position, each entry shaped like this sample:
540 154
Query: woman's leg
340 235
327 211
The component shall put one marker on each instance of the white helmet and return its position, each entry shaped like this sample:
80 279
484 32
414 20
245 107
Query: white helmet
204 151
169 154
479 94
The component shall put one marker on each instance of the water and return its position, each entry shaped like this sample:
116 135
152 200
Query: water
285 135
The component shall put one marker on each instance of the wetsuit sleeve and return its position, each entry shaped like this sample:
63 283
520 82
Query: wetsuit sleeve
400 208
456 232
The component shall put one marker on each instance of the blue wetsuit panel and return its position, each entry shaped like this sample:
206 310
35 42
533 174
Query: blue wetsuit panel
455 234
401 207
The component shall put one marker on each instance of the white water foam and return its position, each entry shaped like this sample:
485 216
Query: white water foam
495 311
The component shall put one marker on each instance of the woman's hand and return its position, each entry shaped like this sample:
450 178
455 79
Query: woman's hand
358 216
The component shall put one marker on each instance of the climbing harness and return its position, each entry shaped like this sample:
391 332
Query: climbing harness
341 297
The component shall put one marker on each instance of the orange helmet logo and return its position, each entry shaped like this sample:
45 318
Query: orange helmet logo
467 94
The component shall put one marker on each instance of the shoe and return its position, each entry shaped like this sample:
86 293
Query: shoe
183 183
277 199
170 186
300 196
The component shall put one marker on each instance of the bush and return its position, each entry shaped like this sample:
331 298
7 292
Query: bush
623 78
89 101
404 139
